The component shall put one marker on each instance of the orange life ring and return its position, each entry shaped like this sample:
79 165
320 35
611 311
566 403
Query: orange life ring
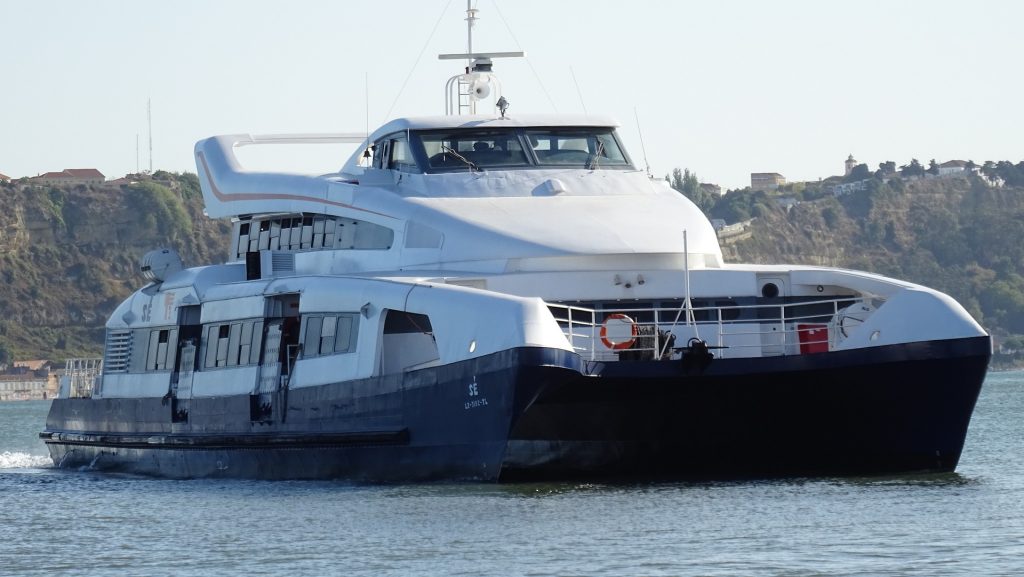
618 346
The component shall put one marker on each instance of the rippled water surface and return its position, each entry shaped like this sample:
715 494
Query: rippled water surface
55 522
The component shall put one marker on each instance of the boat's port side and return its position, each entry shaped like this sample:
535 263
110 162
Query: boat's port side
260 342
443 422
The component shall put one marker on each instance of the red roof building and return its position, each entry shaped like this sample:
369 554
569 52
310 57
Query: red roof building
72 176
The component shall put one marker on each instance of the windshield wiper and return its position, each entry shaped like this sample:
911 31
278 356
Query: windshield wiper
472 165
596 156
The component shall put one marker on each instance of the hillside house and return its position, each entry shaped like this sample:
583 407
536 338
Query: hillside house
70 176
952 167
711 188
27 381
766 180
4 177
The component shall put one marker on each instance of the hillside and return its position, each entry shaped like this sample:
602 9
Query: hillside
69 256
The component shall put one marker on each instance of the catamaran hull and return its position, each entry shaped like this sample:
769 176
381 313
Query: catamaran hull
530 414
895 409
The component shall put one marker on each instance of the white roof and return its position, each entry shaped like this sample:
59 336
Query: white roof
492 121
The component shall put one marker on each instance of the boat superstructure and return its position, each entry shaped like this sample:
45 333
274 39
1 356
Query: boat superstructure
501 296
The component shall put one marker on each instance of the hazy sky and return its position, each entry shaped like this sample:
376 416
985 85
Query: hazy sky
724 88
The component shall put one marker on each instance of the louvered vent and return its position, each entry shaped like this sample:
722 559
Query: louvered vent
282 263
118 351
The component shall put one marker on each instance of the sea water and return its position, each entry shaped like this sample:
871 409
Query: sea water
57 522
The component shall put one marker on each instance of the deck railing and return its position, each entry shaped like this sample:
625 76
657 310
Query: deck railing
646 333
81 376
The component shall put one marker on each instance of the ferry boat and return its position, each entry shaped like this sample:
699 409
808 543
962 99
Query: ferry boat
499 297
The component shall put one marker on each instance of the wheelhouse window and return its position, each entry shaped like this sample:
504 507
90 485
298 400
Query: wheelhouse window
586 148
473 149
401 156
393 152
464 149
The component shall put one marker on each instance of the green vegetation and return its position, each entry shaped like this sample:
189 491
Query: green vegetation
69 255
162 209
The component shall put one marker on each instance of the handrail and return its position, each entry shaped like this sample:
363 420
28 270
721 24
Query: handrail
733 333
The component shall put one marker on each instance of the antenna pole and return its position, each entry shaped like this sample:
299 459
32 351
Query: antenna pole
470 20
149 118
686 278
578 91
642 147
136 153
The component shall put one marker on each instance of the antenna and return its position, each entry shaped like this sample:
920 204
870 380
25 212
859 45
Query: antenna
578 91
136 153
366 153
470 20
149 118
642 147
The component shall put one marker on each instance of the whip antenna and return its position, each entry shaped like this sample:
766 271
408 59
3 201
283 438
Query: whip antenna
642 147
578 91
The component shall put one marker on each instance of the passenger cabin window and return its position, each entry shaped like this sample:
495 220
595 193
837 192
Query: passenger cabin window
327 334
149 349
311 232
160 356
232 344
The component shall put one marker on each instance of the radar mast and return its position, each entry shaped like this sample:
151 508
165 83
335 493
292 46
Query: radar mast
478 81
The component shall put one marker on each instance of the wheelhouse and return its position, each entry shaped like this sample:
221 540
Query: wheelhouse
460 149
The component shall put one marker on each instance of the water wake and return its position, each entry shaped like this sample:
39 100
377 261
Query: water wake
9 460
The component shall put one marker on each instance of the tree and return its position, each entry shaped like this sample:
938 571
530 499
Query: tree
933 167
887 168
912 169
160 208
687 183
1007 171
1014 343
5 354
859 172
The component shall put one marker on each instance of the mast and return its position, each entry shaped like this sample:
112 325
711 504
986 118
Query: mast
470 20
477 82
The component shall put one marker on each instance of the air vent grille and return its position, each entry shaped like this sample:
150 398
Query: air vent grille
118 351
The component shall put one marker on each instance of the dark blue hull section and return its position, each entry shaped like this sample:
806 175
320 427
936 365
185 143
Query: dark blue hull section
545 414
889 410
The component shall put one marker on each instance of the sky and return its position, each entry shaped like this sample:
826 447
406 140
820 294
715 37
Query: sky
723 88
